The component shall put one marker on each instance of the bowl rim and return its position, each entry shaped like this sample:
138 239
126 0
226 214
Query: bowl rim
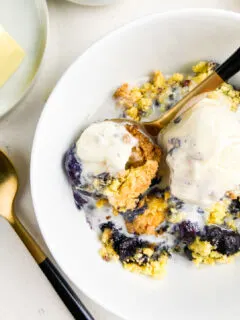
30 85
139 21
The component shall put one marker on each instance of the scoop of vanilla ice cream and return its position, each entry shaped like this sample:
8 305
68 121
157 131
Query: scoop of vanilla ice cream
104 147
203 152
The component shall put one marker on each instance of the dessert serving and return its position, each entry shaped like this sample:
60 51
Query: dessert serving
150 198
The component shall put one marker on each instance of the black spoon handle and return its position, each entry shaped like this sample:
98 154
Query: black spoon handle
65 292
230 67
63 289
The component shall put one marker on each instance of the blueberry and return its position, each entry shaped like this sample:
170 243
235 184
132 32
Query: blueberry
187 231
105 176
157 192
234 207
163 228
79 199
107 225
230 244
188 253
155 181
144 259
177 120
72 166
124 246
130 215
226 241
176 203
185 83
200 210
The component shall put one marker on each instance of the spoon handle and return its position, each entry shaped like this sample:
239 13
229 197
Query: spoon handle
63 289
65 292
230 67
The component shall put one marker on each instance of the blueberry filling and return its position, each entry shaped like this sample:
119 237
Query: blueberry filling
155 181
130 215
234 207
187 231
79 198
156 191
124 246
72 166
81 192
107 225
73 170
188 253
226 241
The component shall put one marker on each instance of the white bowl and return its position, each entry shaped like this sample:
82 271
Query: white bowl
170 42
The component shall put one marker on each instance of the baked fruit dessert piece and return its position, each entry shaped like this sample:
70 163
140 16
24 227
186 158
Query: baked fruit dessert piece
147 217
135 254
115 161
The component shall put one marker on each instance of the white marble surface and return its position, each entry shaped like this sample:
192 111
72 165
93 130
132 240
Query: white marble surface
72 29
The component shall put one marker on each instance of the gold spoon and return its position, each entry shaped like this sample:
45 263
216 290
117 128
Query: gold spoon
8 190
223 73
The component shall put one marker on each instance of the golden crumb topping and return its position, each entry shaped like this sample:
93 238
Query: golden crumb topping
154 266
218 212
145 150
152 217
124 191
142 167
138 102
204 253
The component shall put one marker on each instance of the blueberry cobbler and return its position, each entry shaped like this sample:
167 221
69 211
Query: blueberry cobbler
175 194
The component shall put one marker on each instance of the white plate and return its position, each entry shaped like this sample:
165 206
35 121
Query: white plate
27 22
171 42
